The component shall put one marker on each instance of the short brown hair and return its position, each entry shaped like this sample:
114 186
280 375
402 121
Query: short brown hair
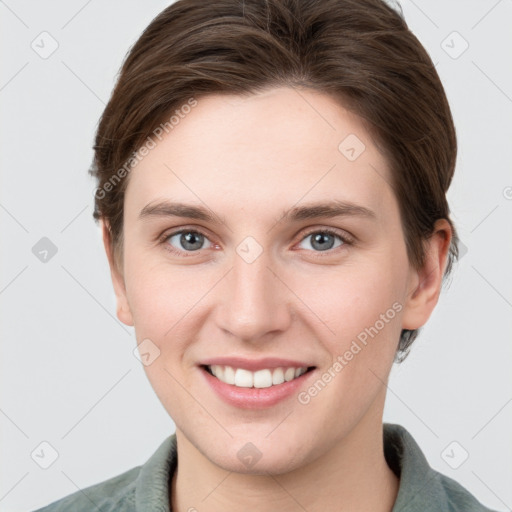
359 51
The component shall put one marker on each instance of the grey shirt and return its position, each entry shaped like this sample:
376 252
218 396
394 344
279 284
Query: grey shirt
146 488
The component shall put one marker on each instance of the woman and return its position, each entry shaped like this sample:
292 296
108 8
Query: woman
272 181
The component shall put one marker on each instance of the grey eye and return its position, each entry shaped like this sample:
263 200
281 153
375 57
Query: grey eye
322 240
187 240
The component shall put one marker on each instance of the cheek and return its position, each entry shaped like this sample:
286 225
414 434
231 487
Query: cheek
165 302
352 298
362 306
161 295
340 303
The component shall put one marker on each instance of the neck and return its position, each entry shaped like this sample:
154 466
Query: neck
353 476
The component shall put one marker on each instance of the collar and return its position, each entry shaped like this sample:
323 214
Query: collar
420 488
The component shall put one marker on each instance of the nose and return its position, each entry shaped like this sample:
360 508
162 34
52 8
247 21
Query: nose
255 301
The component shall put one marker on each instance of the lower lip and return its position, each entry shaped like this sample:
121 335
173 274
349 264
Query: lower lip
255 398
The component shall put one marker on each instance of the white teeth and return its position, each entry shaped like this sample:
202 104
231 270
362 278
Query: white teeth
260 379
229 375
289 374
278 376
218 371
243 378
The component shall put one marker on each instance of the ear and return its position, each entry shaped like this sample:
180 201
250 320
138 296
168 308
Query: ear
123 308
425 283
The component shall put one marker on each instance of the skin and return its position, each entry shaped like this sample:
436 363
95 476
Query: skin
248 159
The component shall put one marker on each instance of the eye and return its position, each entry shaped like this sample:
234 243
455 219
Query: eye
323 240
185 240
188 241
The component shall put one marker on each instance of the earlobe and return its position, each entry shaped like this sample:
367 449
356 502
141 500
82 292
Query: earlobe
425 283
123 308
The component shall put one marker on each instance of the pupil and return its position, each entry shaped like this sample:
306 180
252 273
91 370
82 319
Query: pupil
321 238
188 241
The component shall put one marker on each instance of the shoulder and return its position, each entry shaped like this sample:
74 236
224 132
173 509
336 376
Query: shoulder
117 493
421 488
136 489
457 498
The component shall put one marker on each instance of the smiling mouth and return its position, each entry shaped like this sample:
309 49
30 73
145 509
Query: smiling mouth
265 378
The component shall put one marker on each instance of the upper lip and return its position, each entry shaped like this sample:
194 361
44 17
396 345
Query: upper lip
255 364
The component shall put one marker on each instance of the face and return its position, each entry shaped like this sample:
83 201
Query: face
297 261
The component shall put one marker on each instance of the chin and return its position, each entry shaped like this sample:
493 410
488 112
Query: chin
257 457
276 464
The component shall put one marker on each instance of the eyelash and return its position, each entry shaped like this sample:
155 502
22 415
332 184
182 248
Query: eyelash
345 238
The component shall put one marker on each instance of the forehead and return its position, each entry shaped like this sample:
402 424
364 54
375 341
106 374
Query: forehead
257 152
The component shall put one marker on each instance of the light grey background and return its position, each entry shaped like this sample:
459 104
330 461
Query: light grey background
68 373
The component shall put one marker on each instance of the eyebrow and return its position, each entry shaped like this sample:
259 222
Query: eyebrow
328 209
